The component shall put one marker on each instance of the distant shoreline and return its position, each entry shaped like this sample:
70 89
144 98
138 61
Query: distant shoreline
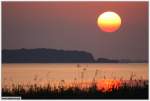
42 55
74 63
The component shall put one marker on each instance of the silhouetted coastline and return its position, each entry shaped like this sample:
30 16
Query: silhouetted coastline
42 55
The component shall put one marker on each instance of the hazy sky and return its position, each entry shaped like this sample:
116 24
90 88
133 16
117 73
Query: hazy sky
72 26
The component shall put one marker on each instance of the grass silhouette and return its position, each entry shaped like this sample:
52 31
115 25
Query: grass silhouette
35 91
116 89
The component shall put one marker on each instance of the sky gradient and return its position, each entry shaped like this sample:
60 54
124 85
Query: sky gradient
73 26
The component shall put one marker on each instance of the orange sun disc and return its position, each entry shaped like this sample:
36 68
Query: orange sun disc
109 21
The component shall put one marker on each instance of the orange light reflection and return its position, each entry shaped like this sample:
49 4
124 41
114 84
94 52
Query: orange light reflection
108 84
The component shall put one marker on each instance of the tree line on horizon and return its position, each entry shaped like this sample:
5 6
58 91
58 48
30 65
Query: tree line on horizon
42 55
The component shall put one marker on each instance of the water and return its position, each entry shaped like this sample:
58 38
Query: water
43 73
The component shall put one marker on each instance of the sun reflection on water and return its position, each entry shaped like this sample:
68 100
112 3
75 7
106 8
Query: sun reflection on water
108 84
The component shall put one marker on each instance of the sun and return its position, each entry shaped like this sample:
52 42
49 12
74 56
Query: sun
109 21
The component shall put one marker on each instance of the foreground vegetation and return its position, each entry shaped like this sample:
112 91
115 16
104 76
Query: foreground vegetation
125 91
79 89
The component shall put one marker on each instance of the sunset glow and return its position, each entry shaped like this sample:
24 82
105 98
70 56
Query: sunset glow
109 22
108 85
75 50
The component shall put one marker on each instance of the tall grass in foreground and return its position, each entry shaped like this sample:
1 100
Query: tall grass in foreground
79 89
125 91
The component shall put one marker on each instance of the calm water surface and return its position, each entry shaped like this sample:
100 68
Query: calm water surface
42 73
